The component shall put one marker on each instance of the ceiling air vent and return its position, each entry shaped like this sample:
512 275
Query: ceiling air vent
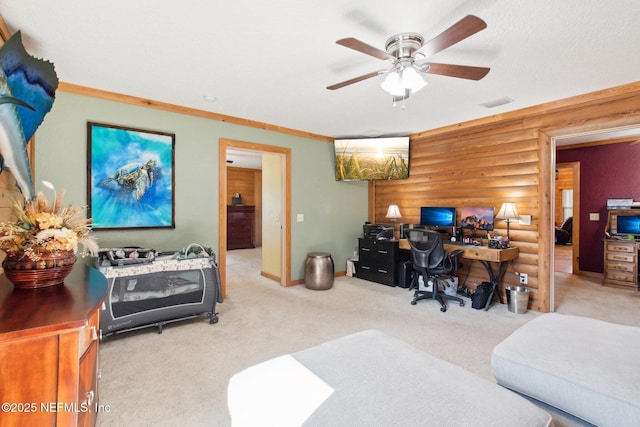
497 102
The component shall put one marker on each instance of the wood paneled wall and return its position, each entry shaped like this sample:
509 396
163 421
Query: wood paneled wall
564 181
243 181
247 182
503 158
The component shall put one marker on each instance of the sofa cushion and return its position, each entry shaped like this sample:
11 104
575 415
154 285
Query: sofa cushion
586 367
379 380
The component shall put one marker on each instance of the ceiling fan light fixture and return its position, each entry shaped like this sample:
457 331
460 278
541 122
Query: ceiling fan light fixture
393 84
412 80
398 82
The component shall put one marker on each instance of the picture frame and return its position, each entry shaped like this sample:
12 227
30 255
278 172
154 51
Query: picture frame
130 177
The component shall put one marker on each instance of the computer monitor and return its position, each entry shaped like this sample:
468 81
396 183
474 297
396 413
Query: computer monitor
434 216
628 225
477 218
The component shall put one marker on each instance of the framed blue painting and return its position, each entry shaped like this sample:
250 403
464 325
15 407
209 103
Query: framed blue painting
130 177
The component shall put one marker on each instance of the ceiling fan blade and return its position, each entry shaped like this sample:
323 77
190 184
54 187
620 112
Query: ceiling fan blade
467 26
362 47
354 80
459 71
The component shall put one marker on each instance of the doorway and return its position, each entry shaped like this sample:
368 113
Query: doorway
283 156
567 205
601 130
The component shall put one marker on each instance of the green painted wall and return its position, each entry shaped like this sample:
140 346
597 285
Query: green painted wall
333 211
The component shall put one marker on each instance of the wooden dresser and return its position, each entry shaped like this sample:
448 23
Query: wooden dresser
49 351
241 227
621 263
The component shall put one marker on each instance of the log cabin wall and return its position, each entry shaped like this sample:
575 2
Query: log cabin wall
564 181
503 158
247 182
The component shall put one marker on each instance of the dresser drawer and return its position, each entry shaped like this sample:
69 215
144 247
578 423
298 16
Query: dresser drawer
621 276
382 261
620 256
621 247
381 253
378 247
616 266
375 273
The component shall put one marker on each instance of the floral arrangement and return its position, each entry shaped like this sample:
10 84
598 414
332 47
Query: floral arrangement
44 227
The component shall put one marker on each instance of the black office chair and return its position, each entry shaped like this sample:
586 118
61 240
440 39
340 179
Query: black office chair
432 262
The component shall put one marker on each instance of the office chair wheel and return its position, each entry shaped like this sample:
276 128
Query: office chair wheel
413 302
443 309
461 303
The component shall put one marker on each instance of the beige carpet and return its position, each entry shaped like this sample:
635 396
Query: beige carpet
180 377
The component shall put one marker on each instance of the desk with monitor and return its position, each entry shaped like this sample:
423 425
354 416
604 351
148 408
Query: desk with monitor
487 257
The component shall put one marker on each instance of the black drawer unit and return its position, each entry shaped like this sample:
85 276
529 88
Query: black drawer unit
379 261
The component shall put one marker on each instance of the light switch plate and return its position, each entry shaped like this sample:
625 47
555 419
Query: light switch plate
300 217
594 216
525 220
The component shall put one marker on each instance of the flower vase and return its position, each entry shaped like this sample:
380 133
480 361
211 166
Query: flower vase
49 269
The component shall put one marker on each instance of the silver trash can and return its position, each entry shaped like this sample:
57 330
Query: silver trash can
517 299
318 271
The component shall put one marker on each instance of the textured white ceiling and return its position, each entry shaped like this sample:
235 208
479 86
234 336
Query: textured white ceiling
244 158
271 61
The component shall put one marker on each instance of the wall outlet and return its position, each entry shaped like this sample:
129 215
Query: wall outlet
524 278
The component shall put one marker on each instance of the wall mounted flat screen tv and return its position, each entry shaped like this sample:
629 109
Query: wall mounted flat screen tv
628 224
370 159
432 216
477 218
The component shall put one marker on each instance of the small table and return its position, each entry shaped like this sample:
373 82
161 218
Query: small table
319 271
487 257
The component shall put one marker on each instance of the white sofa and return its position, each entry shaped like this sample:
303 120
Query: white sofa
372 379
582 366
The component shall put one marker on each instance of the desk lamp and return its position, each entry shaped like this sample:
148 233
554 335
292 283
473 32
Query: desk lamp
393 213
509 213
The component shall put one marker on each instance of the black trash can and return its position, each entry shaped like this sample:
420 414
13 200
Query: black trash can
405 274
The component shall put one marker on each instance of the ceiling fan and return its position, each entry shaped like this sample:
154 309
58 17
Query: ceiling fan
409 56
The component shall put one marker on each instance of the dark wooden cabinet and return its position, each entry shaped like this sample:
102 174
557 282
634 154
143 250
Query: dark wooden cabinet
379 261
241 227
49 351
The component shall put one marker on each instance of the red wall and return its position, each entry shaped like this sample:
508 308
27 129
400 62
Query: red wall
606 172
